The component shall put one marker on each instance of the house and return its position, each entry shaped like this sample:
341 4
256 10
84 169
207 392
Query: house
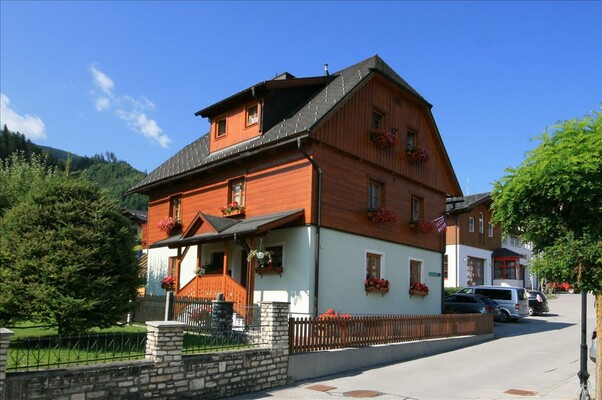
337 176
475 254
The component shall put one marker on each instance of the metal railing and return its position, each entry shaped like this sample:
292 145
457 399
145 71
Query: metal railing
29 354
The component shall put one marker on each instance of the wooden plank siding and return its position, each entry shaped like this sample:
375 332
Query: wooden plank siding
345 200
463 236
236 129
348 130
281 182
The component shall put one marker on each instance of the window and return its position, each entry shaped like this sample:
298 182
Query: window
252 114
490 229
377 120
175 208
474 271
237 192
277 255
481 223
411 139
415 271
445 267
373 266
504 269
375 193
172 266
470 224
220 127
416 209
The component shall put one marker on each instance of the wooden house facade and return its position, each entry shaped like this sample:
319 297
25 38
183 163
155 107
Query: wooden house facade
317 191
475 254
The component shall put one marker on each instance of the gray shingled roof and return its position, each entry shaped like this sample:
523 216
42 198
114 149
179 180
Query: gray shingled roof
194 157
232 227
462 204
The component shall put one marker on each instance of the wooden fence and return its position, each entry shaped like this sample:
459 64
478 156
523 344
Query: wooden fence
314 334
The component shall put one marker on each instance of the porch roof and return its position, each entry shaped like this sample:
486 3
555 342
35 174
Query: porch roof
234 228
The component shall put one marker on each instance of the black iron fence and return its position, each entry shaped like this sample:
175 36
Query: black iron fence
37 353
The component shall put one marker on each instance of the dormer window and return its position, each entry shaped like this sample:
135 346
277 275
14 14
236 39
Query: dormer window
252 114
220 127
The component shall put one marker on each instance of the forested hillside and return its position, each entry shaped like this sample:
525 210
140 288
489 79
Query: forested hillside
106 170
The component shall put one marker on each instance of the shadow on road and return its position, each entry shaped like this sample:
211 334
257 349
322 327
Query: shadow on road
527 326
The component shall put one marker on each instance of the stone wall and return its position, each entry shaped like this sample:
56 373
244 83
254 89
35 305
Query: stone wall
165 373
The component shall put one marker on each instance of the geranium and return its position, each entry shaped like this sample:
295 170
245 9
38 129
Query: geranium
383 137
417 154
167 224
421 287
263 257
168 283
382 215
231 208
331 313
425 227
376 283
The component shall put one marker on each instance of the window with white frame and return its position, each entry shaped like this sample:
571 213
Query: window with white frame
470 224
481 221
490 229
415 271
416 209
373 265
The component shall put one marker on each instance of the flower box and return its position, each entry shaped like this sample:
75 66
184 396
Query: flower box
169 225
232 209
419 289
417 154
269 269
383 137
376 286
418 292
382 215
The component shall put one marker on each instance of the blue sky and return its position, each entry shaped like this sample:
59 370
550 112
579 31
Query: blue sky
127 77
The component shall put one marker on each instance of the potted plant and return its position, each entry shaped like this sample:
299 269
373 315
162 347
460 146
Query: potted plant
383 137
376 285
168 283
168 224
264 262
418 289
417 154
425 227
382 215
232 209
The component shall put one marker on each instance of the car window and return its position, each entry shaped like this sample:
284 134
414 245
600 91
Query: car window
450 299
488 301
522 294
466 290
469 300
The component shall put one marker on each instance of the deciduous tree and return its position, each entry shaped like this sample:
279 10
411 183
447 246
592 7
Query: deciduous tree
554 200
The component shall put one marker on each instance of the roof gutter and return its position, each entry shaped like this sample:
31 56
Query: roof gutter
319 223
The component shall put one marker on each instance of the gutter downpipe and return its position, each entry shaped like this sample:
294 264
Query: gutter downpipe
319 223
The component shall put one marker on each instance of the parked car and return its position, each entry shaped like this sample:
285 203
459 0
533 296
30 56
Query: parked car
538 302
593 349
513 300
460 303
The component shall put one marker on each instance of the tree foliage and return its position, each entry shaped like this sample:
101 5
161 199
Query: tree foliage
66 257
554 200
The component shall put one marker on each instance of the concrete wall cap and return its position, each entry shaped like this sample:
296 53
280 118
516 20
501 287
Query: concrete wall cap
165 324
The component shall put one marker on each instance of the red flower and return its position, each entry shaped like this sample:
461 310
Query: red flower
384 138
382 215
168 283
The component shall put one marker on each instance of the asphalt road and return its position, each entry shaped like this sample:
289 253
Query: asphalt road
537 357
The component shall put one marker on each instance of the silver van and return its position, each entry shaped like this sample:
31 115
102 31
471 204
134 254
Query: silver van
514 301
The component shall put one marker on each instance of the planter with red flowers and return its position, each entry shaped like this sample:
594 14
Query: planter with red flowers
382 215
376 285
416 154
419 289
232 209
169 225
383 137
168 283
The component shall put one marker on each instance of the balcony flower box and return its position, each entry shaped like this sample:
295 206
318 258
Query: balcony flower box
269 269
383 137
169 225
382 215
374 285
232 209
417 154
419 289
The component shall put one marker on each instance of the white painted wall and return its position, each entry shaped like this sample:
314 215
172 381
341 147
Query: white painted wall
343 272
457 273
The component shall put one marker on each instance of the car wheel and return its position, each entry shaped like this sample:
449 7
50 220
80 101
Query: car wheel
504 317
531 311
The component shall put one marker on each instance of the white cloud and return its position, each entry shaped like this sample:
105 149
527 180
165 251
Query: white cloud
127 108
139 122
102 80
31 126
102 103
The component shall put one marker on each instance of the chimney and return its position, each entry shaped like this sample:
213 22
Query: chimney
326 70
